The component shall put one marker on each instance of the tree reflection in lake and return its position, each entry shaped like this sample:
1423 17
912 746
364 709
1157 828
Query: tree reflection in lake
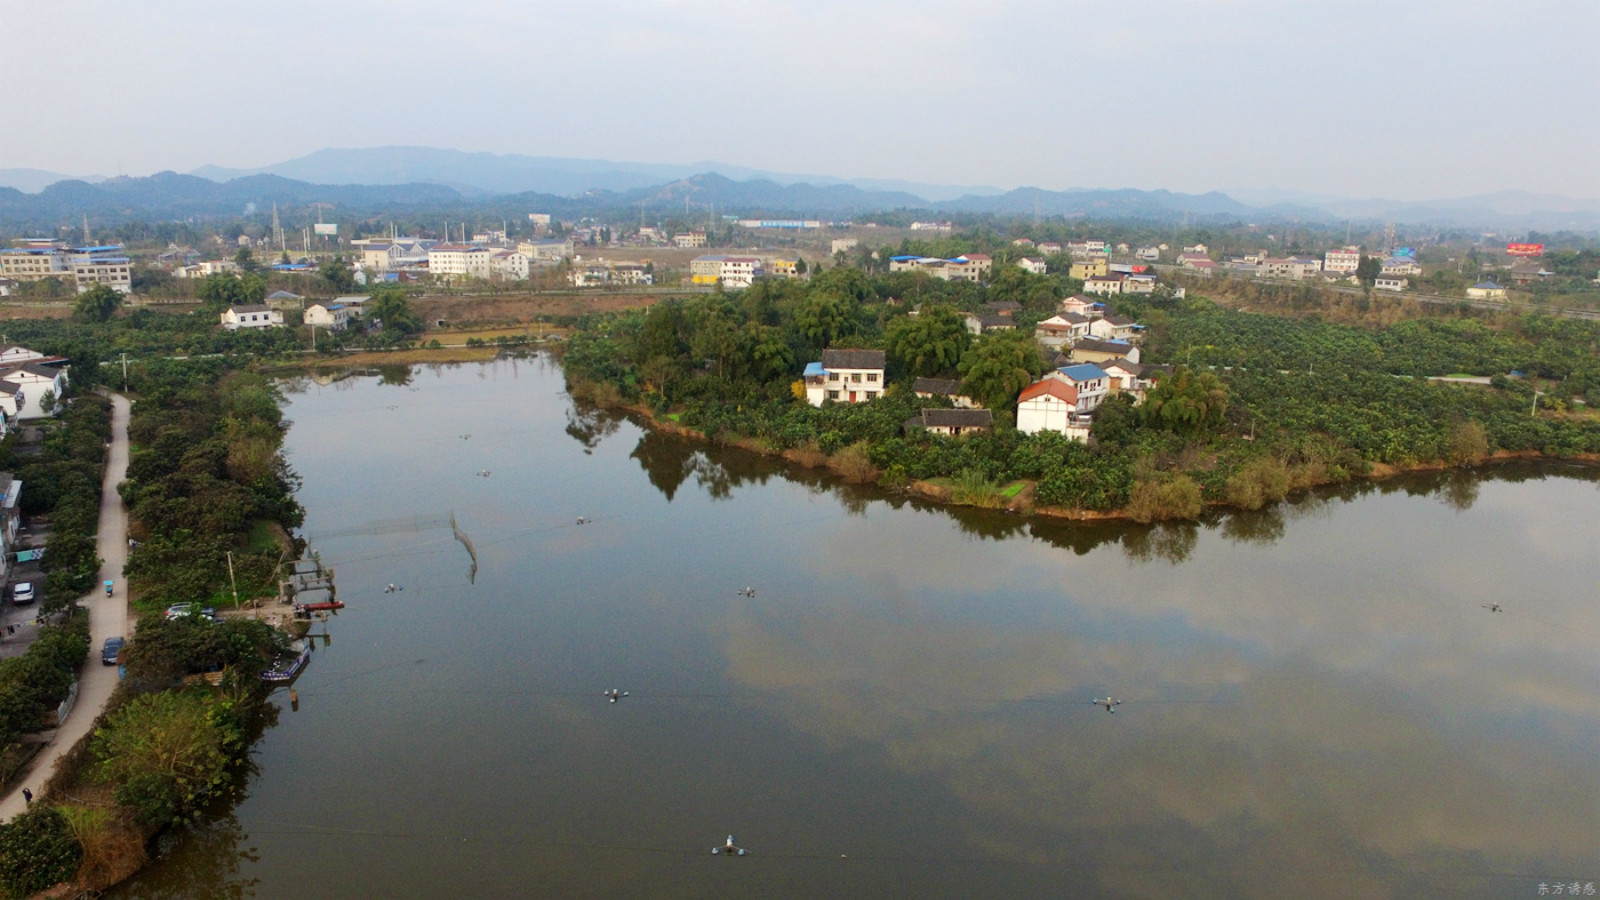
589 424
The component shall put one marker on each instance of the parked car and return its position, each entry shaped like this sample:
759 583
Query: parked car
113 647
190 609
22 594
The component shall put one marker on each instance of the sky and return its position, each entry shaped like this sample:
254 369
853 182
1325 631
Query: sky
1408 100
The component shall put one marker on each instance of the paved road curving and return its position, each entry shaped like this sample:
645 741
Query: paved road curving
108 617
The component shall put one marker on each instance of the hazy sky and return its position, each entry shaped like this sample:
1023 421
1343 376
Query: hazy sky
1409 100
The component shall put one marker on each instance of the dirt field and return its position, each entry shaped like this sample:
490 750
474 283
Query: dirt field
509 309
14 309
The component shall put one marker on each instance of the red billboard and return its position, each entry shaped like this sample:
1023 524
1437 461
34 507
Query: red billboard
1525 249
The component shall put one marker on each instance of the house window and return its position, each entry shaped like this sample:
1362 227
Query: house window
872 376
833 395
855 377
872 395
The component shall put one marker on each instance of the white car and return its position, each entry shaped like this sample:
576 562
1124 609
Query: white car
22 594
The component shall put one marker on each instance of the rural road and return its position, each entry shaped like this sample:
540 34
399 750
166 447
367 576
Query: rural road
108 617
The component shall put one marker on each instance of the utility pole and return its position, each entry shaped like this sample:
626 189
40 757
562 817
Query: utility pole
124 371
235 584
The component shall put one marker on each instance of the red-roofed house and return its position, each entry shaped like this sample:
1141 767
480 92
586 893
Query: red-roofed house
1050 405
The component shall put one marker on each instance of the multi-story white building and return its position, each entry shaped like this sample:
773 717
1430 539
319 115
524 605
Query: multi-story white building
460 261
845 376
740 271
730 271
115 272
1035 266
689 240
1148 254
545 253
1345 259
511 265
34 259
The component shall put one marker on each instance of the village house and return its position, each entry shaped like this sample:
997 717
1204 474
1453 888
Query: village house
1391 283
1486 290
1049 247
1081 306
947 388
980 323
251 316
1401 265
1112 328
1023 242
1147 254
1203 268
1528 272
1061 330
1050 404
1092 350
951 422
1104 285
845 376
328 315
1128 377
689 240
1083 270
31 381
1292 269
1091 381
1139 283
1034 266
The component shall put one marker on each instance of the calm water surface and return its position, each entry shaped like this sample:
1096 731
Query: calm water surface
1316 703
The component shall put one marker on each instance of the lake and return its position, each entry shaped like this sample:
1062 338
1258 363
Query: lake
1315 701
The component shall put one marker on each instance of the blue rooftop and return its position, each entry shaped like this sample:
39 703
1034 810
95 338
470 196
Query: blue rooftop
1083 372
814 370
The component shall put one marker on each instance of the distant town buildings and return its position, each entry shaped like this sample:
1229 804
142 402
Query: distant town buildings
35 259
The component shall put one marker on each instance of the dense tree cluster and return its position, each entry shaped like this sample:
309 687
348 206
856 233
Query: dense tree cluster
1257 406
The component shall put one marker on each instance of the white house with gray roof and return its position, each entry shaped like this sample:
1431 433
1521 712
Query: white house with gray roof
845 376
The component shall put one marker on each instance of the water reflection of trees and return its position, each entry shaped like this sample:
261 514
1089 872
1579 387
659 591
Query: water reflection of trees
589 424
669 461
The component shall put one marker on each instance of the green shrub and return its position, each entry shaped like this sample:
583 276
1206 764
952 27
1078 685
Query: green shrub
37 852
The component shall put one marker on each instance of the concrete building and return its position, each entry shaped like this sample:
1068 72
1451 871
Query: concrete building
251 316
1486 290
1391 283
1292 269
1033 266
1050 404
459 261
331 315
1345 259
689 240
845 376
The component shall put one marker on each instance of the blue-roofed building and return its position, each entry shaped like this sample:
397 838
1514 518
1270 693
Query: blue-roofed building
1092 382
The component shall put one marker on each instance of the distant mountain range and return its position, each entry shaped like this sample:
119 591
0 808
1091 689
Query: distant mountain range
425 181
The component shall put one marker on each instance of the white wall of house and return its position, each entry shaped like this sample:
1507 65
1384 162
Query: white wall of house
845 386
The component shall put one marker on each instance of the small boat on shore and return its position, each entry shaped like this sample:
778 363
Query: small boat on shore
287 669
304 610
